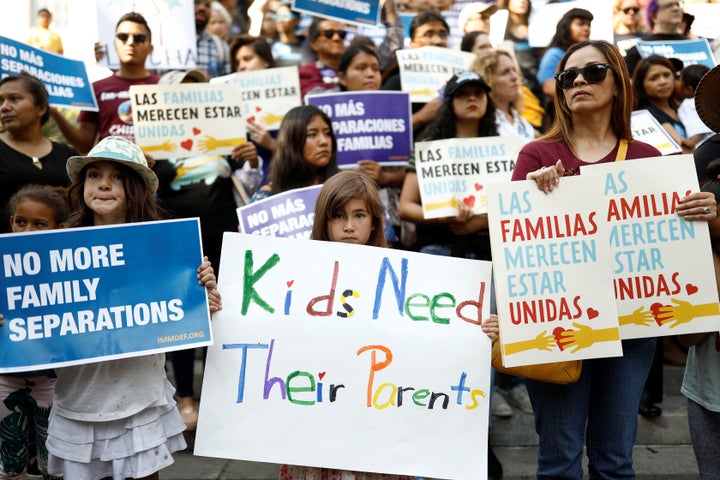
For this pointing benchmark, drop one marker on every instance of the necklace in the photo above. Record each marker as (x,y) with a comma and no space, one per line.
(36,162)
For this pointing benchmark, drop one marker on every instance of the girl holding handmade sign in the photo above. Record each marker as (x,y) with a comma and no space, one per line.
(26,397)
(593,103)
(116,419)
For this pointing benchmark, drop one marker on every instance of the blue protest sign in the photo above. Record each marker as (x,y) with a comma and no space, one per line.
(369,125)
(89,294)
(66,80)
(288,214)
(345,11)
(691,52)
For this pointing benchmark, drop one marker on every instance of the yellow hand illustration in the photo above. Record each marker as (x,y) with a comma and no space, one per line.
(683,312)
(166,146)
(208,144)
(543,341)
(270,118)
(638,317)
(585,336)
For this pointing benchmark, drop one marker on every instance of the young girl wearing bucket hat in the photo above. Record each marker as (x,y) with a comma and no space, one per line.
(116,419)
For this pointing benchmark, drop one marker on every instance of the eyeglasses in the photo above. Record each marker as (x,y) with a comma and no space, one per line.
(670,5)
(595,73)
(329,34)
(631,10)
(443,34)
(137,37)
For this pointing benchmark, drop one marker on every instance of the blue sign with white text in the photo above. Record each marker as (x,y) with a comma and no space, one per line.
(350,11)
(80,295)
(66,80)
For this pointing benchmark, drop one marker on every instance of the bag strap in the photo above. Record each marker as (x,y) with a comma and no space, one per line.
(622,150)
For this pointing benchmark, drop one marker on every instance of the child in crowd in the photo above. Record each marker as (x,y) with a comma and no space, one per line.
(685,85)
(116,419)
(28,396)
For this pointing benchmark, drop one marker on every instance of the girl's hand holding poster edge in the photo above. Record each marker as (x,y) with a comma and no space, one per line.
(664,279)
(369,126)
(545,248)
(81,295)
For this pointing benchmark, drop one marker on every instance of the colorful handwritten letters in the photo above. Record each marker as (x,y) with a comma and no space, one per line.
(552,281)
(458,170)
(348,356)
(80,295)
(187,120)
(663,272)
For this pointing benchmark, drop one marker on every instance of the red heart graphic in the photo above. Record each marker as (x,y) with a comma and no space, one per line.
(559,339)
(290,283)
(478,187)
(592,313)
(469,201)
(196,131)
(655,309)
(187,144)
(321,375)
(691,289)
(257,109)
(251,119)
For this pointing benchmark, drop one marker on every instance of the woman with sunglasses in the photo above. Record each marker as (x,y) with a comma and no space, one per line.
(628,24)
(593,103)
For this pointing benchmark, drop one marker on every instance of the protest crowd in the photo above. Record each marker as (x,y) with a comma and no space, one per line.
(567,104)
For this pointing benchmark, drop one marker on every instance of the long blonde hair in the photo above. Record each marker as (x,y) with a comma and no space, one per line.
(486,65)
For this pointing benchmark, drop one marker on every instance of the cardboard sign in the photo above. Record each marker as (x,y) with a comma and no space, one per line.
(188,119)
(647,129)
(287,214)
(369,126)
(266,94)
(551,263)
(458,170)
(424,70)
(348,356)
(83,295)
(66,80)
(662,264)
(691,52)
(360,12)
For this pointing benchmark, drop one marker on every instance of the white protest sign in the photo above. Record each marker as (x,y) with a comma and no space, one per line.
(551,262)
(545,17)
(187,119)
(647,129)
(172,24)
(662,265)
(266,94)
(348,356)
(424,70)
(457,170)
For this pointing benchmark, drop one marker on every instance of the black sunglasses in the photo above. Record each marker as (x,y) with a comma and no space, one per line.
(595,73)
(329,34)
(137,37)
(631,9)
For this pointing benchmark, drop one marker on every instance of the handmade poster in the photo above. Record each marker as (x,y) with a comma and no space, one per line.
(66,80)
(360,12)
(172,24)
(662,265)
(266,94)
(287,214)
(424,70)
(551,260)
(348,356)
(188,119)
(369,126)
(691,52)
(458,170)
(646,128)
(82,295)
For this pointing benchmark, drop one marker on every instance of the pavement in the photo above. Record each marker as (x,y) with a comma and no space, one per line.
(662,450)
